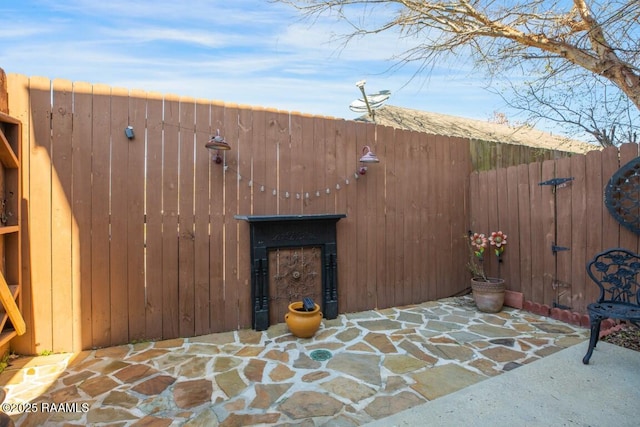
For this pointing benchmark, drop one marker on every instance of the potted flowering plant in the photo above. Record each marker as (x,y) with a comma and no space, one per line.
(488,292)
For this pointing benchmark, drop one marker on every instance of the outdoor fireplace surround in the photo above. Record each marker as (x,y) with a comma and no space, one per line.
(269,232)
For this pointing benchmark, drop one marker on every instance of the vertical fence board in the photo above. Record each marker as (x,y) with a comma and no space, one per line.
(441,217)
(428,213)
(502,201)
(361,229)
(343,169)
(512,258)
(563,199)
(475,200)
(81,212)
(549,231)
(217,241)
(202,197)
(186,236)
(100,261)
(370,184)
(579,227)
(153,214)
(245,125)
(40,212)
(396,227)
(491,193)
(382,137)
(588,292)
(628,239)
(458,216)
(271,145)
(405,242)
(330,176)
(482,217)
(461,275)
(296,175)
(284,198)
(230,305)
(135,215)
(117,216)
(476,206)
(424,259)
(258,167)
(342,227)
(610,227)
(63,298)
(306,159)
(318,165)
(347,243)
(537,237)
(170,185)
(287,196)
(524,218)
(426,187)
(444,223)
(19,104)
(386,218)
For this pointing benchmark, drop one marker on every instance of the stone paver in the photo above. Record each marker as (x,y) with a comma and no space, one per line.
(382,362)
(445,379)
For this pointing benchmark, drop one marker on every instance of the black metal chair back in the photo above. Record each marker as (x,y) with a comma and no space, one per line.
(615,271)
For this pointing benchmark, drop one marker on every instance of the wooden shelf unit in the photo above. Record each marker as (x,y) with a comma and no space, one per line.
(11,322)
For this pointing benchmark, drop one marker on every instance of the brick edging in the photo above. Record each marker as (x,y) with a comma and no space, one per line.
(568,316)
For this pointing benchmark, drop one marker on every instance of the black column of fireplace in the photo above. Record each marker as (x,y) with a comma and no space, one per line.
(286,231)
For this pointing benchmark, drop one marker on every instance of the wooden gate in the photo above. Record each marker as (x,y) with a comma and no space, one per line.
(554,215)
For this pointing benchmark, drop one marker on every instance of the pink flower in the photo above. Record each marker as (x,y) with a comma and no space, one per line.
(479,241)
(498,239)
(477,244)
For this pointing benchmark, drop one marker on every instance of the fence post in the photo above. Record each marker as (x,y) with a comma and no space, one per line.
(4,97)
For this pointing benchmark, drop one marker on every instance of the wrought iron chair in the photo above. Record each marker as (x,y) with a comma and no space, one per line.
(615,271)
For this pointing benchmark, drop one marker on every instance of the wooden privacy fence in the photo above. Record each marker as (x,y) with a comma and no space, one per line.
(136,239)
(552,230)
(488,155)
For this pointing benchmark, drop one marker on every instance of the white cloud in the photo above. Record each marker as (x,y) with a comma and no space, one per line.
(247,51)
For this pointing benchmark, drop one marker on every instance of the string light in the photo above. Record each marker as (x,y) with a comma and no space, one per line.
(288,194)
(252,183)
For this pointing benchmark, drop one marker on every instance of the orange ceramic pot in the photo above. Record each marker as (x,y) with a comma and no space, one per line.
(303,324)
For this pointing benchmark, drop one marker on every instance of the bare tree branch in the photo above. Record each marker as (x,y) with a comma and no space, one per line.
(556,38)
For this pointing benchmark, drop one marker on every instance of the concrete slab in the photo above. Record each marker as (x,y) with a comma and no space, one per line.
(555,391)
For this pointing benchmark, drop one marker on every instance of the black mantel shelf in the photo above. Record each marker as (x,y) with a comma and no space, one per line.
(278,218)
(270,232)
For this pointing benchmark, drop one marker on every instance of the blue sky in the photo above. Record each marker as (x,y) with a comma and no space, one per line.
(244,51)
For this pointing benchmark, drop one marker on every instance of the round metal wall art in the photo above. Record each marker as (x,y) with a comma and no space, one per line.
(622,195)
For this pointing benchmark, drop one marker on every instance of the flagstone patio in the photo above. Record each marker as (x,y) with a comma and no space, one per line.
(374,364)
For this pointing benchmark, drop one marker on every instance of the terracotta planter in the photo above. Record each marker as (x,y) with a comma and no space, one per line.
(303,324)
(488,294)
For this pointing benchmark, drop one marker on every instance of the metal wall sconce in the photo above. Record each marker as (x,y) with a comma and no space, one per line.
(367,157)
(128,131)
(217,143)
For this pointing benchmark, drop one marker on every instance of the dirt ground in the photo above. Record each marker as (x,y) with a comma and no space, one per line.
(627,336)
